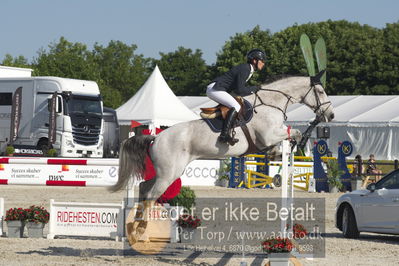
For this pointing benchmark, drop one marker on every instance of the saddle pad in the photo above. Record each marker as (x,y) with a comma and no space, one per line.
(216,124)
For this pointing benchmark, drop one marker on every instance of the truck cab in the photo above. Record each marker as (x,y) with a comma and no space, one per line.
(78,115)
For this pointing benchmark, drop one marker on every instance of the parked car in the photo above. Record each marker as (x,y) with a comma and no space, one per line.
(375,209)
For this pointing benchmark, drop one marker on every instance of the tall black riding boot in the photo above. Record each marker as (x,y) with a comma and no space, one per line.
(227,126)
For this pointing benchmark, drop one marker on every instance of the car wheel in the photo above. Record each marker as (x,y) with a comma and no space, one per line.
(349,226)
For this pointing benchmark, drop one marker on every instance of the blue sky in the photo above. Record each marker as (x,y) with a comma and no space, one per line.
(163,25)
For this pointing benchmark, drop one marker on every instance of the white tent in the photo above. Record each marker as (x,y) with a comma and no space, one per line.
(154,104)
(195,103)
(371,123)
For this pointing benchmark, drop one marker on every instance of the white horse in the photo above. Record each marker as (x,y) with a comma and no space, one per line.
(174,148)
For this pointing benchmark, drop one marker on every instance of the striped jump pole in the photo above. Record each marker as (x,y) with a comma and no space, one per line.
(24,160)
(35,171)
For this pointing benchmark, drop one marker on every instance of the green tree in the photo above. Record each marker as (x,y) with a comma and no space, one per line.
(390,60)
(361,59)
(184,70)
(121,70)
(116,69)
(235,50)
(19,61)
(66,59)
(354,53)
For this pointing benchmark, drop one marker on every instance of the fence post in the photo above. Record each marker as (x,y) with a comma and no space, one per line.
(396,164)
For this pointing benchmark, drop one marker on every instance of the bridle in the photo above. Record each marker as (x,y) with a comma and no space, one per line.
(319,104)
(291,99)
(283,110)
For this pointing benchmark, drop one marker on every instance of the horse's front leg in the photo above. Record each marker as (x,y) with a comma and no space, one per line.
(296,135)
(279,134)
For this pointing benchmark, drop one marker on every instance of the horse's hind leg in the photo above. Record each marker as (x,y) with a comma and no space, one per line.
(144,188)
(168,169)
(137,228)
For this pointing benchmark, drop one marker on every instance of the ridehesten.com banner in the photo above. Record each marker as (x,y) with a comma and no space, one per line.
(86,219)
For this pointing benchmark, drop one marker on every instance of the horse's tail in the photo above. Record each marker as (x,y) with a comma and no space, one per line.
(132,160)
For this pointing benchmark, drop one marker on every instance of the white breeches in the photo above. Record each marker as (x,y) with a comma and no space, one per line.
(222,97)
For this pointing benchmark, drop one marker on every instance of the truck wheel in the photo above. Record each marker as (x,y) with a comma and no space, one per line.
(349,226)
(43,146)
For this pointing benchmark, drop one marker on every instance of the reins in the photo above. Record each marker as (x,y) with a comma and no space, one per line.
(284,111)
(292,100)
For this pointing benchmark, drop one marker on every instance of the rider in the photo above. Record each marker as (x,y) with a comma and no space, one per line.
(234,81)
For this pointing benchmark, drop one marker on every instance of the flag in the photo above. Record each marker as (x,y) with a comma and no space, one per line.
(52,119)
(15,114)
(134,124)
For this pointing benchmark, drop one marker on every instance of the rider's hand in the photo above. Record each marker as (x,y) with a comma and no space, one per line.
(256,89)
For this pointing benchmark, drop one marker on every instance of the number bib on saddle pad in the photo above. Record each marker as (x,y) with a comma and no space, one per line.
(216,124)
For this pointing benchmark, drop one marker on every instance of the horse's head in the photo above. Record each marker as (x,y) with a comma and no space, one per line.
(317,99)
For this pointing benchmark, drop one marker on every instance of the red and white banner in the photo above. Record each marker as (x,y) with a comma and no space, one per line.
(58,172)
(88,172)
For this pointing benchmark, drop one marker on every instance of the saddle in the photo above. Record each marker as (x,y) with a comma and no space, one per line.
(221,110)
(214,117)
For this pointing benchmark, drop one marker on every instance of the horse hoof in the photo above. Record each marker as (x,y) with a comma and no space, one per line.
(132,239)
(140,230)
(135,230)
(141,227)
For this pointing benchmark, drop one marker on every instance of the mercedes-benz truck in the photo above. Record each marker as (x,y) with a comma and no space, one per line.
(78,115)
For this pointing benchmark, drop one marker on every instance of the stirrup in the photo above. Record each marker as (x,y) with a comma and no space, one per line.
(228,139)
(231,139)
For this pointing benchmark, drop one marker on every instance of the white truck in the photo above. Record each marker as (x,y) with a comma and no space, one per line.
(79,111)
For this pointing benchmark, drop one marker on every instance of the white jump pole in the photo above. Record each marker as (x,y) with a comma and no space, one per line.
(287,187)
(130,193)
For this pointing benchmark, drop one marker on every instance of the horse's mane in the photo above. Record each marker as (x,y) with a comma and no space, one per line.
(275,78)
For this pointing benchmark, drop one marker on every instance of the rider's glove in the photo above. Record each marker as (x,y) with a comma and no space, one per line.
(256,89)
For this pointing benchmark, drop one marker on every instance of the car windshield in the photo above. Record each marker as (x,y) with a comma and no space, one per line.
(391,181)
(84,105)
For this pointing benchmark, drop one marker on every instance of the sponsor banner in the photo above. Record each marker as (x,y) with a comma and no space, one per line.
(85,219)
(29,174)
(201,173)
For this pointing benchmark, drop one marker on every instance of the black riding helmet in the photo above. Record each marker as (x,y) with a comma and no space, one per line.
(257,54)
